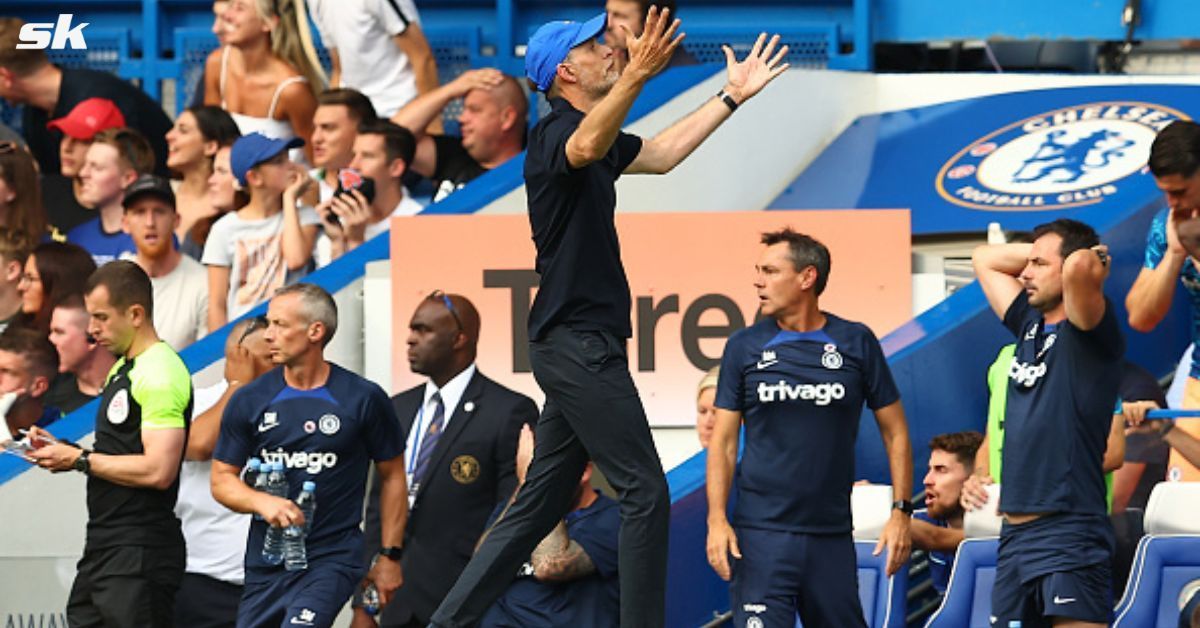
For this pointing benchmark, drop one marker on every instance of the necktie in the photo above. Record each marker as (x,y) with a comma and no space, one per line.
(429,439)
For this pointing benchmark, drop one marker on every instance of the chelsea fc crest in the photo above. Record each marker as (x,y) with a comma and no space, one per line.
(1070,157)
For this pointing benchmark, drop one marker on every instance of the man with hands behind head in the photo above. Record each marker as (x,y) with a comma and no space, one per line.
(1056,543)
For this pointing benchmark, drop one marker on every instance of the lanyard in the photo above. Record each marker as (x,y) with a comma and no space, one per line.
(420,428)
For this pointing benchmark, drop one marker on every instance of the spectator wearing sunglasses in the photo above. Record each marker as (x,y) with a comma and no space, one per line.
(116,158)
(215,535)
(48,92)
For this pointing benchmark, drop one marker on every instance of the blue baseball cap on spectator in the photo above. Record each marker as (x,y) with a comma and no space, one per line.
(250,150)
(551,43)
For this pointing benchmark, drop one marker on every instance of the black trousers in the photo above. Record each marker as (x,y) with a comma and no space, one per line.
(592,411)
(204,602)
(126,586)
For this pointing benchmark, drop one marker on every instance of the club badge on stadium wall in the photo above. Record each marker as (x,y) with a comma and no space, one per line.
(1065,158)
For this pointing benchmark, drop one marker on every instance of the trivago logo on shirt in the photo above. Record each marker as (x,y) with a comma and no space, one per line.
(821,394)
(313,461)
(1026,375)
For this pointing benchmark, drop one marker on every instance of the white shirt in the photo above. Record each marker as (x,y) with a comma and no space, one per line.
(451,394)
(361,31)
(323,253)
(181,304)
(215,536)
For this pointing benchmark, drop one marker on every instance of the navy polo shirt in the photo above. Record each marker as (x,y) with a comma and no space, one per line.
(801,397)
(1061,386)
(571,211)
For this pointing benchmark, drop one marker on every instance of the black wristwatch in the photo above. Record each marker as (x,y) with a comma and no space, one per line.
(903,505)
(81,463)
(1165,428)
(392,553)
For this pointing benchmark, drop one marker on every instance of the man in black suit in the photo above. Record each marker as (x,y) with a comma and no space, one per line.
(462,431)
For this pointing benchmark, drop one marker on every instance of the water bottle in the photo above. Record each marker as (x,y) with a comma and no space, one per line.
(1016,623)
(272,551)
(262,471)
(370,599)
(295,553)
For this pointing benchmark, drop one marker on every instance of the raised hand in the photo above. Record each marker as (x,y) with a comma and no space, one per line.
(483,78)
(747,78)
(651,52)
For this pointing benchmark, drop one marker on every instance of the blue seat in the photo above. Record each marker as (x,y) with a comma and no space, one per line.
(1162,566)
(883,598)
(968,600)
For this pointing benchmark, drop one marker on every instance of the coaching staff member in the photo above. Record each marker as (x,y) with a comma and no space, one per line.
(460,455)
(1056,543)
(133,556)
(798,379)
(580,318)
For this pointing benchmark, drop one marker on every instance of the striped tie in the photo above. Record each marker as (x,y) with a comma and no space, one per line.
(430,439)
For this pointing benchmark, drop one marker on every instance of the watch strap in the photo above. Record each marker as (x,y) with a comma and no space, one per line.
(903,505)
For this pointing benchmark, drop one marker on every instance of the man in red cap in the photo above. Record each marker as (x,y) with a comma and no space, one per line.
(79,127)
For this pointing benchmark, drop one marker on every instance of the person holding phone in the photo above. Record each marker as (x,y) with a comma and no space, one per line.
(370,192)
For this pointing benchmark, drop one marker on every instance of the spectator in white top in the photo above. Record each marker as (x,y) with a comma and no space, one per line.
(382,152)
(215,536)
(180,283)
(335,125)
(492,125)
(378,48)
(267,243)
(270,85)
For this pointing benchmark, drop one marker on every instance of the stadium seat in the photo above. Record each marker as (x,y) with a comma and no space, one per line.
(870,507)
(968,600)
(1167,558)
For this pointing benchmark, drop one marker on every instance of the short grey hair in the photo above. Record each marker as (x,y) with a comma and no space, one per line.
(316,306)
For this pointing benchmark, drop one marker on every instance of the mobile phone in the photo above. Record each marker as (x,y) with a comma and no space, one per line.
(351,179)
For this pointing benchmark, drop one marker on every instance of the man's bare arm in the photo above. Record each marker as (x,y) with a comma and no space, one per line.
(997,266)
(933,538)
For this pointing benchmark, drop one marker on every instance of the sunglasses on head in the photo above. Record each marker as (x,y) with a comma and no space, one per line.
(439,295)
(255,324)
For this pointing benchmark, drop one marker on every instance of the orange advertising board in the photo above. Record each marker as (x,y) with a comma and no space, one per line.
(691,276)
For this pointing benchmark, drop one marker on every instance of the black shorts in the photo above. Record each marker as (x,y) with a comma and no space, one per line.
(126,586)
(1056,566)
(205,602)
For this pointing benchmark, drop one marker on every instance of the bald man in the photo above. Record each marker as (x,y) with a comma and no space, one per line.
(492,124)
(462,440)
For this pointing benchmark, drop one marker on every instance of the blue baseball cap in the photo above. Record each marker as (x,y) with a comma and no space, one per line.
(551,43)
(253,149)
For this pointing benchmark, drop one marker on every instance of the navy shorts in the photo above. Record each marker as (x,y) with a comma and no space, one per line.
(298,599)
(785,573)
(1055,566)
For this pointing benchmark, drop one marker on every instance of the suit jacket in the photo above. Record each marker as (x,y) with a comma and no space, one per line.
(471,471)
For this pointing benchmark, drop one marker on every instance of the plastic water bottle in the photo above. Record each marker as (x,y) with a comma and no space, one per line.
(262,471)
(295,553)
(272,551)
(370,599)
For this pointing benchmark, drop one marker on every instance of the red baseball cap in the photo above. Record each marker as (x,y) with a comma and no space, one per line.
(88,118)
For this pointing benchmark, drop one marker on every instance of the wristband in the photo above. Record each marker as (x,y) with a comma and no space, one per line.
(728,100)
(1165,428)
